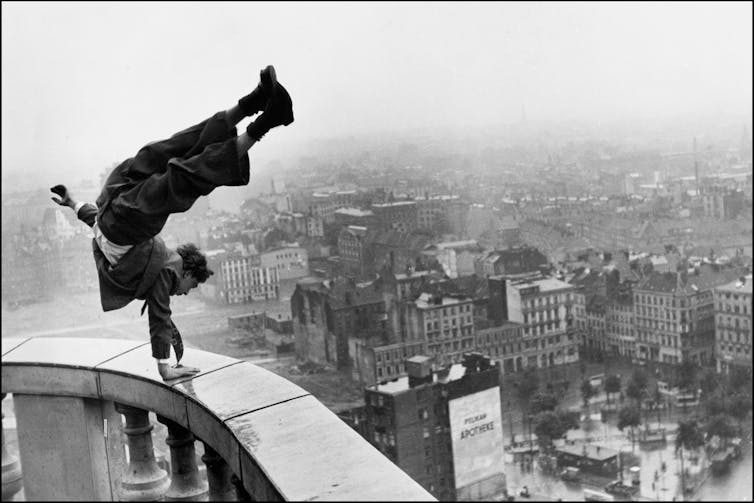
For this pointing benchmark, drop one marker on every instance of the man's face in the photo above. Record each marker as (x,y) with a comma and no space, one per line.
(186,284)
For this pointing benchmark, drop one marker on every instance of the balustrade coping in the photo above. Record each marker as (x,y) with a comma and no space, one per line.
(261,424)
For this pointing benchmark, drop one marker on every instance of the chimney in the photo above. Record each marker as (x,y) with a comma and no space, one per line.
(419,370)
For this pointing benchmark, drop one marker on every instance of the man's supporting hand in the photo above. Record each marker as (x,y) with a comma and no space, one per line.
(169,372)
(64,198)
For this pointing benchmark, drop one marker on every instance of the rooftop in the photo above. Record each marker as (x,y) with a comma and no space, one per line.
(425,301)
(400,384)
(737,286)
(393,204)
(544,284)
(354,212)
(468,243)
(672,282)
(590,451)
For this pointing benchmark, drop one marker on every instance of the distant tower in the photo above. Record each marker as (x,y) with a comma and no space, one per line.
(696,169)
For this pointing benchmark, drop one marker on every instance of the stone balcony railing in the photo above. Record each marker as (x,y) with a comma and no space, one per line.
(264,437)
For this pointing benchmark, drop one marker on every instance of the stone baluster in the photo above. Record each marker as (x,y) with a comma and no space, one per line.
(218,476)
(143,480)
(185,483)
(241,493)
(12,478)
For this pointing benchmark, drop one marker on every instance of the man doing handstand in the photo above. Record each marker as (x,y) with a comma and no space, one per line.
(167,177)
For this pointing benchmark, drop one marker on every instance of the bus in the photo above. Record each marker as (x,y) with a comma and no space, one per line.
(597,380)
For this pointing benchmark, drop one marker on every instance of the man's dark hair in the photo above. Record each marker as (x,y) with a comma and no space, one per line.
(194,262)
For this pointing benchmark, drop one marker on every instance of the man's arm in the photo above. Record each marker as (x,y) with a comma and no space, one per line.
(161,328)
(86,212)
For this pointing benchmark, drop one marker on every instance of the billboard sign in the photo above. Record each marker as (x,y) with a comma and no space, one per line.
(476,429)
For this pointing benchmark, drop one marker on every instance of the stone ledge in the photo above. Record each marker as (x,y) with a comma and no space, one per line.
(259,422)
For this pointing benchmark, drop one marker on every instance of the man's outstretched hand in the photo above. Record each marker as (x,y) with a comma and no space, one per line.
(64,198)
(169,372)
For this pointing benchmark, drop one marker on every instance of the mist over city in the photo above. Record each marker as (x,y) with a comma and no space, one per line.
(486,251)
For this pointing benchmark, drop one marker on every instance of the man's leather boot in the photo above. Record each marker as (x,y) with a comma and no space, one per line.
(256,100)
(278,112)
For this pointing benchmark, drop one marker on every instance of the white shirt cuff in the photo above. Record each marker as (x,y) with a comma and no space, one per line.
(78,206)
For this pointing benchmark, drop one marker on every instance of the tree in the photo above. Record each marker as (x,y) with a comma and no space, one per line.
(690,437)
(713,404)
(634,391)
(527,383)
(612,385)
(587,392)
(687,372)
(740,379)
(709,381)
(722,426)
(549,425)
(640,378)
(739,407)
(629,417)
(542,402)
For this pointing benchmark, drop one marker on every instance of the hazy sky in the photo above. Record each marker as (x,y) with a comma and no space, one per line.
(86,84)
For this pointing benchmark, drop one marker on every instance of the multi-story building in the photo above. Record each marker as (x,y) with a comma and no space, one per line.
(239,278)
(733,327)
(723,203)
(619,328)
(290,262)
(445,323)
(443,428)
(503,343)
(519,260)
(402,251)
(355,216)
(332,320)
(674,315)
(314,226)
(384,363)
(594,292)
(434,211)
(355,252)
(399,215)
(542,306)
(455,257)
(322,206)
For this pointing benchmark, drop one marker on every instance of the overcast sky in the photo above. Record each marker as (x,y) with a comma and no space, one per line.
(86,84)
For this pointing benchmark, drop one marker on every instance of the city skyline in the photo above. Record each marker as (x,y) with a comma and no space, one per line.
(106,79)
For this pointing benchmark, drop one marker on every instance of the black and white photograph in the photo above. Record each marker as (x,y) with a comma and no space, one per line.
(376,251)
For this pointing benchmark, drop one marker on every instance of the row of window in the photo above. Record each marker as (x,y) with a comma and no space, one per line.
(660,301)
(739,350)
(453,310)
(734,337)
(730,322)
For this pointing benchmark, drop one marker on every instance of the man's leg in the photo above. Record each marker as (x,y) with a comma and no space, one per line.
(155,191)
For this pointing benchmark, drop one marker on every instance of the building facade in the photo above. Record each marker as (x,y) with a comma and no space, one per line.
(733,327)
(443,428)
(445,323)
(240,278)
(399,216)
(675,315)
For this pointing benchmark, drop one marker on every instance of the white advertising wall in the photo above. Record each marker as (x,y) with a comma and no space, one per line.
(476,429)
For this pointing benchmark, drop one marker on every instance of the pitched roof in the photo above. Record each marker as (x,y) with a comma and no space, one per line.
(396,239)
(672,282)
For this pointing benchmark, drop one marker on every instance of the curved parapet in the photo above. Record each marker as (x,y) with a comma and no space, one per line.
(279,441)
